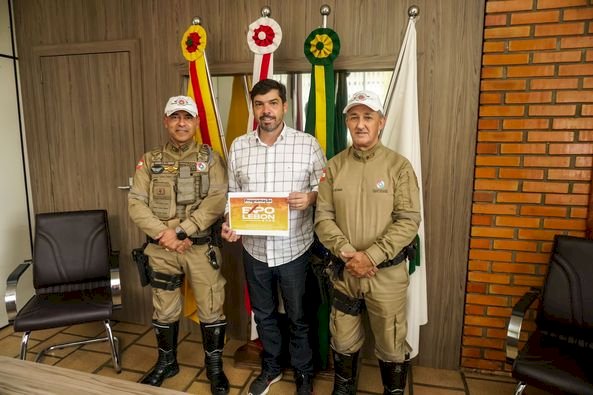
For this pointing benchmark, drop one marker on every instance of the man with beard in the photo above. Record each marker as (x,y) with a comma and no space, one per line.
(277,158)
(177,195)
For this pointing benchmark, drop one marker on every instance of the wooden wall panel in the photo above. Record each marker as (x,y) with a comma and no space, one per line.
(371,31)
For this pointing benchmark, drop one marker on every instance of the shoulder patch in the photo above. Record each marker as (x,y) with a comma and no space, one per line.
(323,177)
(140,164)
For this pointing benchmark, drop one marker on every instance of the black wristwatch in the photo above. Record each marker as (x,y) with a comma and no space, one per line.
(181,235)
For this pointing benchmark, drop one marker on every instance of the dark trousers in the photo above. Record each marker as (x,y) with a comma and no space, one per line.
(262,283)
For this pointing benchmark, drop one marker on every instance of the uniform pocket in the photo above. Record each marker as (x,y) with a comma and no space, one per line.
(162,198)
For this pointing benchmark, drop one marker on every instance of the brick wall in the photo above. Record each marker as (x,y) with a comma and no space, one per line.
(533,159)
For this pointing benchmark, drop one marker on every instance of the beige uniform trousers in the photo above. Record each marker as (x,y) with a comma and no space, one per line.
(207,283)
(385,298)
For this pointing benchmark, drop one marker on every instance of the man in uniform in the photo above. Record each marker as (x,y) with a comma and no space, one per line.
(179,192)
(368,212)
(277,158)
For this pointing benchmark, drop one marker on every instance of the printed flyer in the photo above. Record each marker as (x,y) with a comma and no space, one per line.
(259,213)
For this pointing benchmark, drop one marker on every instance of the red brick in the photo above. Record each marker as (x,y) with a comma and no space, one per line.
(532,174)
(586,135)
(499,311)
(552,110)
(503,209)
(583,161)
(557,57)
(479,266)
(559,3)
(513,245)
(510,5)
(567,199)
(503,233)
(554,83)
(500,136)
(486,148)
(578,212)
(502,111)
(532,234)
(482,341)
(574,69)
(492,72)
(587,109)
(504,59)
(532,44)
(490,98)
(580,188)
(532,123)
(546,161)
(569,174)
(494,46)
(497,289)
(545,187)
(488,124)
(518,222)
(530,257)
(573,123)
(496,333)
(489,300)
(571,149)
(506,32)
(485,172)
(472,351)
(495,355)
(503,85)
(560,29)
(496,185)
(497,160)
(483,244)
(530,71)
(523,148)
(512,197)
(589,56)
(484,220)
(481,196)
(495,20)
(520,18)
(544,211)
(567,224)
(488,255)
(534,281)
(528,97)
(546,247)
(475,310)
(588,82)
(577,14)
(575,96)
(576,42)
(550,136)
(478,288)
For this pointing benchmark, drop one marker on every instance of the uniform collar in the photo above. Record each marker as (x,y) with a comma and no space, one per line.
(365,156)
(181,149)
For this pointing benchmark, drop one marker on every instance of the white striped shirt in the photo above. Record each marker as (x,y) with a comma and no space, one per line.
(294,163)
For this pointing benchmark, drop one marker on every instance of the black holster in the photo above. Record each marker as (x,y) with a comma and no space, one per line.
(346,304)
(141,261)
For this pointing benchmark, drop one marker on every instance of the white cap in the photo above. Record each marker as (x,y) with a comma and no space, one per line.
(181,103)
(366,98)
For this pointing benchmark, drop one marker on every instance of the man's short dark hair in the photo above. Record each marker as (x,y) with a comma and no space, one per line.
(264,86)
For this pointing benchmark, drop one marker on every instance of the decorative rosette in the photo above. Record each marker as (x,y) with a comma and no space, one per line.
(193,43)
(264,36)
(322,46)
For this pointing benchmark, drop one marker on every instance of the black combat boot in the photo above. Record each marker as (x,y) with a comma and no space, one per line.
(213,341)
(166,366)
(345,371)
(394,375)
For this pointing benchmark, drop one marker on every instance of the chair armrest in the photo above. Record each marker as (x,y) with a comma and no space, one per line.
(115,283)
(11,285)
(516,321)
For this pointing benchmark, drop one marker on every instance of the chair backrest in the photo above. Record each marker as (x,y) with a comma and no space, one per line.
(567,302)
(71,249)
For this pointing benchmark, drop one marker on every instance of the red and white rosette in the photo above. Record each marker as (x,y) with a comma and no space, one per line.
(264,37)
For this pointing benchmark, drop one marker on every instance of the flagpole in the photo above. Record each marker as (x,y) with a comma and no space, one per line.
(198,21)
(413,12)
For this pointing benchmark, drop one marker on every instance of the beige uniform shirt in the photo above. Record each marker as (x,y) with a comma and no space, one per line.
(368,201)
(203,216)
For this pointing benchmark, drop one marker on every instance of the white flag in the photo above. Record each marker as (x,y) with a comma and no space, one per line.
(402,134)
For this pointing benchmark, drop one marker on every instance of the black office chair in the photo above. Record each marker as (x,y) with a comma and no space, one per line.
(558,356)
(75,277)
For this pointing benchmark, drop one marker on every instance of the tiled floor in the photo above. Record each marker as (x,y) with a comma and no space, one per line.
(139,353)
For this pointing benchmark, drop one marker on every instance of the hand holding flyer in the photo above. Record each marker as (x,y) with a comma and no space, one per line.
(259,213)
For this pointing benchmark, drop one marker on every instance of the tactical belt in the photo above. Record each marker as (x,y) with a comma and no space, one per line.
(397,259)
(195,240)
(346,304)
(168,282)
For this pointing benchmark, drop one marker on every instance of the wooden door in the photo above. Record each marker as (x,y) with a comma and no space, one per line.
(93,130)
